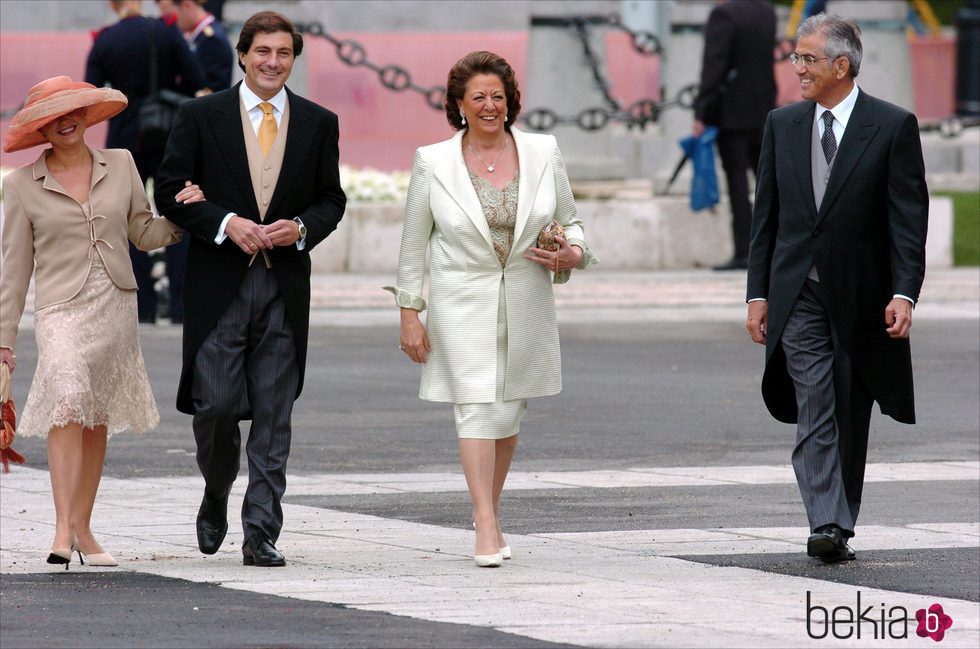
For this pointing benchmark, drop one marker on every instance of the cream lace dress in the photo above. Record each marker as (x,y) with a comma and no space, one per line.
(90,368)
(499,419)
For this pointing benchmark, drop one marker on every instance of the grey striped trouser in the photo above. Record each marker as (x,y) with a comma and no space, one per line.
(808,343)
(246,369)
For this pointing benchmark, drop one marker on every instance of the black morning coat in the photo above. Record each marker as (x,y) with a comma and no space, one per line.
(738,87)
(207,146)
(867,242)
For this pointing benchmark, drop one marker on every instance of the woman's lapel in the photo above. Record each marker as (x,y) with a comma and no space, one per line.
(454,177)
(533,165)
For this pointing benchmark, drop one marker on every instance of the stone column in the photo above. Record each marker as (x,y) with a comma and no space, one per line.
(681,65)
(560,78)
(886,70)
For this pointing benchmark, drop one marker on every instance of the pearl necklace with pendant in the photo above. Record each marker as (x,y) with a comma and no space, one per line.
(493,165)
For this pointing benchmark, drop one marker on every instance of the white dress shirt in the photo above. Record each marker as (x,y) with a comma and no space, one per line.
(841,112)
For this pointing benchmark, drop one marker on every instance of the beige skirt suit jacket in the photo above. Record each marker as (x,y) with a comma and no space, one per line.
(48,233)
(443,216)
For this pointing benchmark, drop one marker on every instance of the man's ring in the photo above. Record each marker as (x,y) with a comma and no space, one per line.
(251,245)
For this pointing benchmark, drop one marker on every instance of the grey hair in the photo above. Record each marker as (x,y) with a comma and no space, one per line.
(843,37)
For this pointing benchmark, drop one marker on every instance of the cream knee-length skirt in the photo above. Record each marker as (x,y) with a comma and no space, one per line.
(90,368)
(500,419)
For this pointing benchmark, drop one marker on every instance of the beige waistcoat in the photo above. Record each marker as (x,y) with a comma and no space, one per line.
(264,169)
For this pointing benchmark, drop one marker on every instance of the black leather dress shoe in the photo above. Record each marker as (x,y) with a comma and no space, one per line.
(259,551)
(827,544)
(735,263)
(212,524)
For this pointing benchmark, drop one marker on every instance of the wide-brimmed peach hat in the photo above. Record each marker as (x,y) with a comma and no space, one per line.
(54,97)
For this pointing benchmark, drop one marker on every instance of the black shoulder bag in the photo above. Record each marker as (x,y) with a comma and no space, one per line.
(159,109)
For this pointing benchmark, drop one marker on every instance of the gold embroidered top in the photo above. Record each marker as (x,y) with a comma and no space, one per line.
(500,209)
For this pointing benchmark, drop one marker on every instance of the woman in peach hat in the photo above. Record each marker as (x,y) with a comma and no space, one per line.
(67,218)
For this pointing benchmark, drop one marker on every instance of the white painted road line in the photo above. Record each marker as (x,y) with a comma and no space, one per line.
(607,589)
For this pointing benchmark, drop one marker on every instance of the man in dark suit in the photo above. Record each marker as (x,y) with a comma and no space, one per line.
(267,162)
(208,41)
(737,91)
(120,57)
(836,264)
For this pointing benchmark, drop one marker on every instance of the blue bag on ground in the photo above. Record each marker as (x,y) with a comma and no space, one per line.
(704,182)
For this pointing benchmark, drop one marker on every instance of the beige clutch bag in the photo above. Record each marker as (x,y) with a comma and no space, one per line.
(546,239)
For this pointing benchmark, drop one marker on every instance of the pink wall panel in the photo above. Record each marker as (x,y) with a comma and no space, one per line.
(381,128)
(633,75)
(25,59)
(933,76)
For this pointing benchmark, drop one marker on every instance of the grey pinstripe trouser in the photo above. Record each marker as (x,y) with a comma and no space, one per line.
(834,412)
(246,369)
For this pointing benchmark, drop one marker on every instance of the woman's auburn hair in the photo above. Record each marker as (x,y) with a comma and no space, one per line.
(466,68)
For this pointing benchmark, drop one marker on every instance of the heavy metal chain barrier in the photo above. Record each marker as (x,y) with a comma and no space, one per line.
(641,112)
(638,114)
(394,77)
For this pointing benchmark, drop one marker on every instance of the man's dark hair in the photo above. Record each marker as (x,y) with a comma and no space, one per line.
(267,22)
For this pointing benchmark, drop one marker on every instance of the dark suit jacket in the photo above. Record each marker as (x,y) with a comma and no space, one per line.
(120,57)
(867,242)
(207,146)
(738,87)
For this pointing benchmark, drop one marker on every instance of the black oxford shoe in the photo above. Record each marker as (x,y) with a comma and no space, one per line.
(827,544)
(259,551)
(212,524)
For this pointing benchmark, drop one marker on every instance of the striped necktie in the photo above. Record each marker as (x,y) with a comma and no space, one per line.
(828,141)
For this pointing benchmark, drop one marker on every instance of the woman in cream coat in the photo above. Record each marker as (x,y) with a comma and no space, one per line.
(477,203)
(67,219)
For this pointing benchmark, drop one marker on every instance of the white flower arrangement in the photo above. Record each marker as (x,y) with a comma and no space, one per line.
(373,186)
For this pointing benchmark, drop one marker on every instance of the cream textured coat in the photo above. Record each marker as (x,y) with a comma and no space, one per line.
(443,215)
(47,232)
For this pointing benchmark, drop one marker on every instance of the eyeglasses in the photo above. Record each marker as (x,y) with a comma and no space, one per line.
(806,59)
